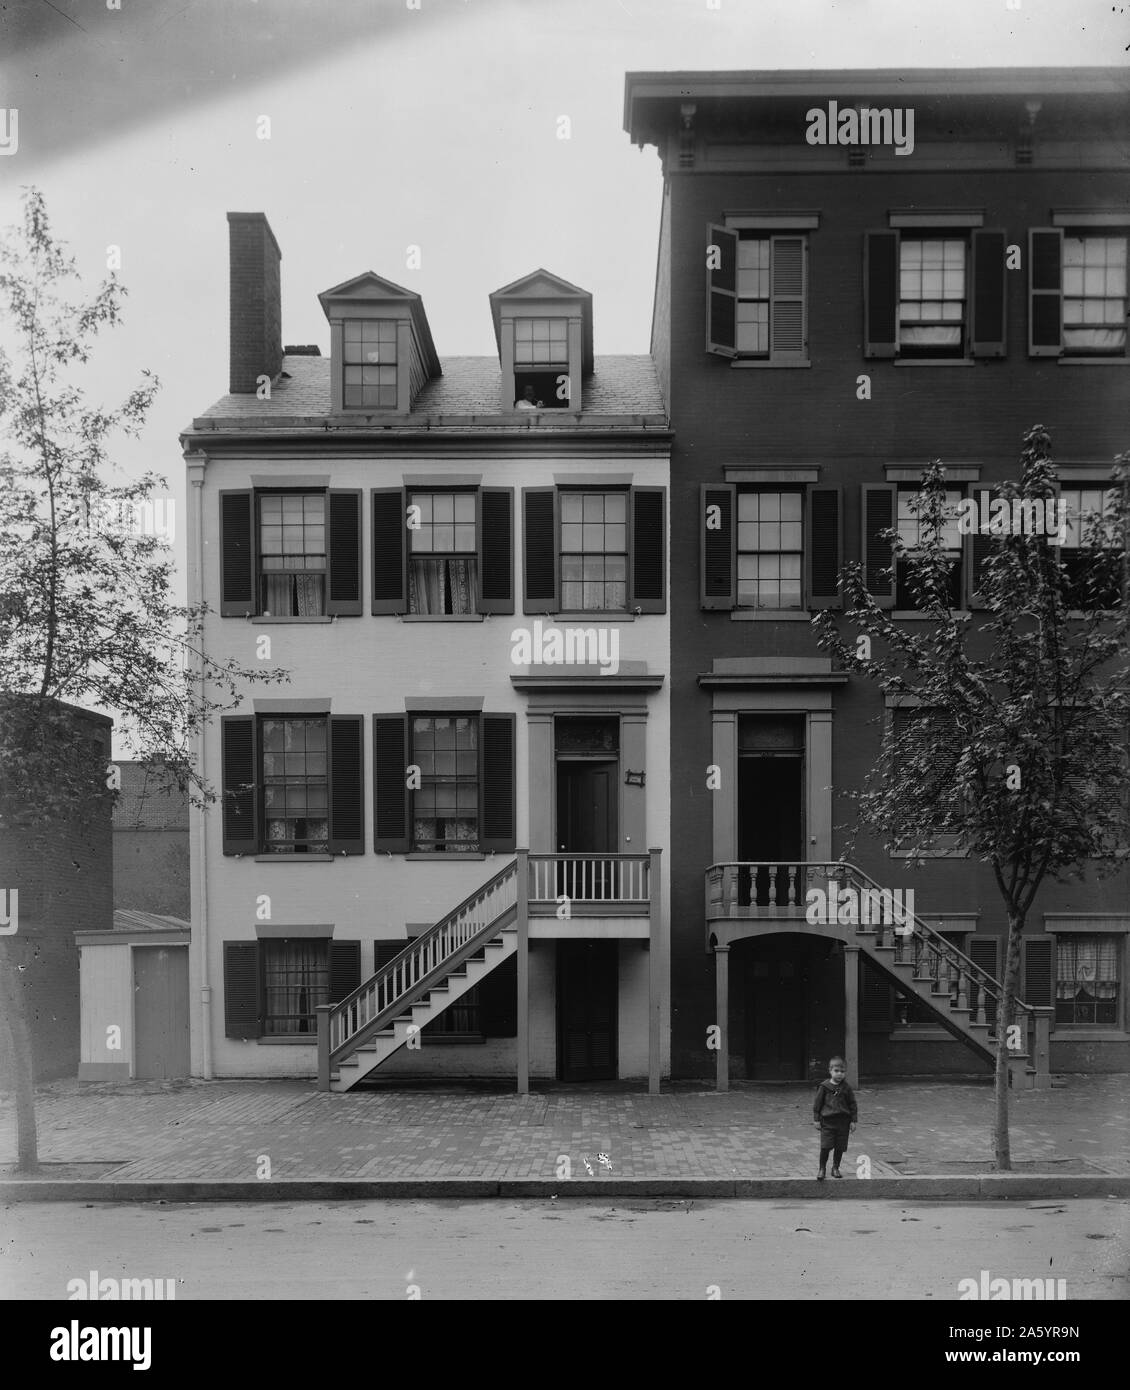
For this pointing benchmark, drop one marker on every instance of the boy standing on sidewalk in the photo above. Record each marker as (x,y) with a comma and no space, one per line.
(835,1111)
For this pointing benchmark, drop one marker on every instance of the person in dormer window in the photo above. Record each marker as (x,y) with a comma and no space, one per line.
(527,400)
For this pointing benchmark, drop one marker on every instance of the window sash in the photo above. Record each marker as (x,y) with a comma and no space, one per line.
(1094,294)
(445,807)
(594,551)
(933,293)
(296,979)
(295,784)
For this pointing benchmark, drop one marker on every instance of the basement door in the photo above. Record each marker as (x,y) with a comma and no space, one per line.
(587,985)
(776,1010)
(160,1012)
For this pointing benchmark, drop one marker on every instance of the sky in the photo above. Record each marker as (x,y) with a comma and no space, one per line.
(398,123)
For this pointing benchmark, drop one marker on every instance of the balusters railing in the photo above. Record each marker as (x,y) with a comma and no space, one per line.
(589,878)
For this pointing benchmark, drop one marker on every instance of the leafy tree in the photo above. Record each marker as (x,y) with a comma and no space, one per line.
(86,614)
(1019,754)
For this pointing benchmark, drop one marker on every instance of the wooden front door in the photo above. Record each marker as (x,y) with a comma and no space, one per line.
(160,1012)
(587,986)
(776,1011)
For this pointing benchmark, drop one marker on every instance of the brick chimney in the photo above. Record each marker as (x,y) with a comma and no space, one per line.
(256,301)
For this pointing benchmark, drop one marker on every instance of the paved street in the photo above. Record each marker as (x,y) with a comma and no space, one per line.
(223,1129)
(567,1250)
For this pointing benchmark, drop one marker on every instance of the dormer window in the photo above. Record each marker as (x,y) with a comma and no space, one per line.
(541,364)
(382,349)
(543,326)
(369,359)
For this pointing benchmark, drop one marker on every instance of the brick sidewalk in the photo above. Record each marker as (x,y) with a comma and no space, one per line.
(218,1130)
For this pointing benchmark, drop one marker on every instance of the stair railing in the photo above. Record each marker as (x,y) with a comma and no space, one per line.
(420,966)
(756,884)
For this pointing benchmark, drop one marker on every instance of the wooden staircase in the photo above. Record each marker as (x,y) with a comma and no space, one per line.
(914,958)
(431,973)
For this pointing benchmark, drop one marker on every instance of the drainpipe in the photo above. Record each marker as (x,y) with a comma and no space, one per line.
(196,477)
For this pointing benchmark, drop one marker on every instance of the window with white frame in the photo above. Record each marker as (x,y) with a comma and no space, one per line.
(770,549)
(594,552)
(911,526)
(292,554)
(1094,294)
(1087,978)
(442,560)
(445,807)
(369,349)
(932,296)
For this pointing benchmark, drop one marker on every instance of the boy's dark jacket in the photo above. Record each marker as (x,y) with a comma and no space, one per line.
(834,1100)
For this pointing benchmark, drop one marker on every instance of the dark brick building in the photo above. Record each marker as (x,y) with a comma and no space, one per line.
(64,877)
(830,317)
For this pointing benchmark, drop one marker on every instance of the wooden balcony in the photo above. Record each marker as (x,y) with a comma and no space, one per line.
(592,885)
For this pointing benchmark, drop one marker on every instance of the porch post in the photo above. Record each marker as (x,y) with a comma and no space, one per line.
(523,972)
(323,1011)
(654,973)
(851,1012)
(1041,1046)
(722,1015)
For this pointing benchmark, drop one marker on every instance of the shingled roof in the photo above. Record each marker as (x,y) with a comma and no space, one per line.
(619,385)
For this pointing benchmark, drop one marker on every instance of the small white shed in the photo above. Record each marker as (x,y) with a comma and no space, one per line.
(133,986)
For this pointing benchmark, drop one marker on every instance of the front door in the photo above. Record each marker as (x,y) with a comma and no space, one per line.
(160,1012)
(587,986)
(586,828)
(771,829)
(776,1010)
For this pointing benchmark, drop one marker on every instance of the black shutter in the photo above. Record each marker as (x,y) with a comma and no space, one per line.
(788,337)
(878,514)
(496,784)
(241,989)
(237,754)
(347,784)
(876,1000)
(880,294)
(718,529)
(983,951)
(1039,986)
(648,544)
(390,782)
(979,544)
(496,550)
(237,559)
(390,521)
(345,969)
(722,292)
(384,952)
(989,275)
(1045,292)
(498,1001)
(539,540)
(824,546)
(343,560)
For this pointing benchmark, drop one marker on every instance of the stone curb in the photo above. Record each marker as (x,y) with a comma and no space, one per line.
(988,1187)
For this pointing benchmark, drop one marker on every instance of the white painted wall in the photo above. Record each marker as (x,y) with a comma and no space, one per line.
(368,665)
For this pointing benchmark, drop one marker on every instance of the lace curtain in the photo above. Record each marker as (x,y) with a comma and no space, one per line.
(295,595)
(457,836)
(1087,965)
(442,586)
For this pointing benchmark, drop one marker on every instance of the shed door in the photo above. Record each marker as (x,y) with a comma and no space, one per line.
(160,1012)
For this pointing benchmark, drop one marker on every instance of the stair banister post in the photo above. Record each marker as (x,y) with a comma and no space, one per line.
(323,1011)
(523,923)
(1040,1054)
(654,972)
